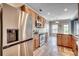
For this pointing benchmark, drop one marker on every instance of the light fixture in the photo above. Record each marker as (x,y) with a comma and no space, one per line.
(65,9)
(48,13)
(40,10)
(51,19)
(57,22)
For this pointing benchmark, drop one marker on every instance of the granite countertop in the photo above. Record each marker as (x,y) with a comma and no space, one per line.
(76,36)
(41,33)
(65,33)
(77,42)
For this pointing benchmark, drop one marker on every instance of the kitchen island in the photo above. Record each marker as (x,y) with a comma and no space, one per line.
(69,41)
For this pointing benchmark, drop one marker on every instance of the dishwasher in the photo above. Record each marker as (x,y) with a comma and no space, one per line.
(42,39)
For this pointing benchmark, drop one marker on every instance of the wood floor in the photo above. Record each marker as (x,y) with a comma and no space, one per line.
(78,47)
(51,49)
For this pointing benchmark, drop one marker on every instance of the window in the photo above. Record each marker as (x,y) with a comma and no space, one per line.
(77,28)
(47,27)
(66,31)
(54,28)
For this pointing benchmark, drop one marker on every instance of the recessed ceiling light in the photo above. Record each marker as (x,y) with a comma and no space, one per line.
(57,22)
(51,19)
(65,9)
(40,10)
(48,13)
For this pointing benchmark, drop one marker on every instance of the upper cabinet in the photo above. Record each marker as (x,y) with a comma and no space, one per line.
(26,9)
(39,22)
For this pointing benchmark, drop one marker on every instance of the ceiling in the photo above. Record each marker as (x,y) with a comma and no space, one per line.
(56,11)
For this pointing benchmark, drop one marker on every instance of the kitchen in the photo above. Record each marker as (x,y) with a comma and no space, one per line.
(28,29)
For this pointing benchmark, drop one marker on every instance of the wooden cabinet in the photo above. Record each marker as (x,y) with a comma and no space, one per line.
(39,22)
(36,41)
(64,40)
(59,38)
(68,41)
(74,46)
(64,43)
(43,22)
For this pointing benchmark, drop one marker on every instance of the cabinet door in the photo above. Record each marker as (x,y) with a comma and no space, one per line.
(70,41)
(64,40)
(34,44)
(37,43)
(43,22)
(59,38)
(74,46)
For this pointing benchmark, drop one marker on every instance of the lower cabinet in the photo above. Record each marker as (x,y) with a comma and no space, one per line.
(64,40)
(74,46)
(59,38)
(70,41)
(23,49)
(36,41)
(67,41)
